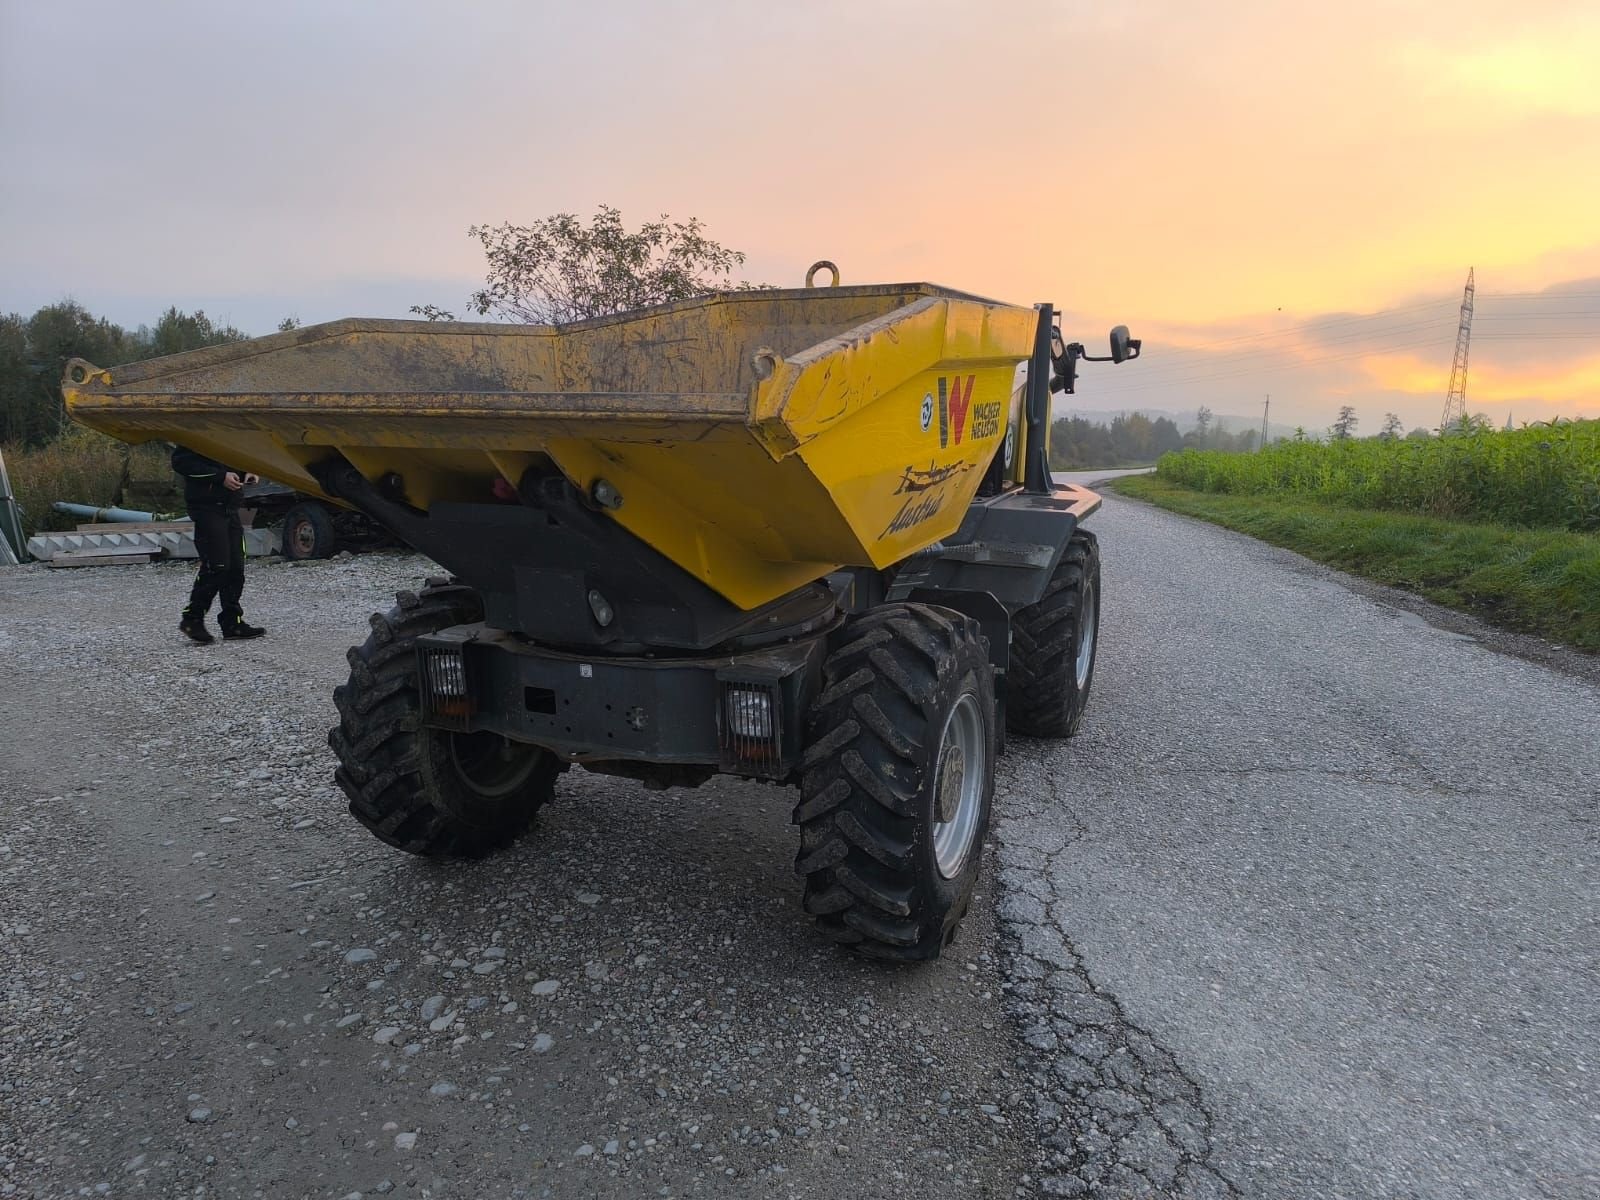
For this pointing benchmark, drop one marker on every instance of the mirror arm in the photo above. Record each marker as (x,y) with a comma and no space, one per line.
(1066,365)
(1066,360)
(1133,352)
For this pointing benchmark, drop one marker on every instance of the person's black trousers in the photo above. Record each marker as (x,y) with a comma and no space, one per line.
(219,541)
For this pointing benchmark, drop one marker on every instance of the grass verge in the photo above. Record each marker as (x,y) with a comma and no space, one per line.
(1540,581)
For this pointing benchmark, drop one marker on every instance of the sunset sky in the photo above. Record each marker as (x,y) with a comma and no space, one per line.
(1279,198)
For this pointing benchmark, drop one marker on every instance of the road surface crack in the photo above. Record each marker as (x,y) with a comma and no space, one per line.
(1117,1115)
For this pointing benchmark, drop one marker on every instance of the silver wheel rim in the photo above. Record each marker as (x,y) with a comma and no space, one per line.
(958,788)
(1086,633)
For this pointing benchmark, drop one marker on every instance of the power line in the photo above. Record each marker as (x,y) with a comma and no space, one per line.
(1238,372)
(1323,323)
(1349,347)
(1539,295)
(1569,336)
(1317,323)
(1113,390)
(1253,360)
(1540,316)
(1348,341)
(1340,356)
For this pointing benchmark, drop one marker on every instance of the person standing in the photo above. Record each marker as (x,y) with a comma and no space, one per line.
(211,492)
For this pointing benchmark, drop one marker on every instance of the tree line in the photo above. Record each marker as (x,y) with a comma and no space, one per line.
(35,350)
(1135,440)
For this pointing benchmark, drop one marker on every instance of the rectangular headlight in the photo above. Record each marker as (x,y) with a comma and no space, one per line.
(447,673)
(750,712)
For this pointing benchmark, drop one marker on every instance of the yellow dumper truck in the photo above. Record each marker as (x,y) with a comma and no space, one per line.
(806,536)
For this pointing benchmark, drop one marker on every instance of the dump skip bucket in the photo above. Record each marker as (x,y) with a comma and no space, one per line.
(758,439)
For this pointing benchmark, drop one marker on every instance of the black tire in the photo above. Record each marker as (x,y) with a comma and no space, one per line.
(307,532)
(877,757)
(1046,691)
(428,791)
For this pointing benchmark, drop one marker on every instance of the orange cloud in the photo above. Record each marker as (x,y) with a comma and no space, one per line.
(1575,382)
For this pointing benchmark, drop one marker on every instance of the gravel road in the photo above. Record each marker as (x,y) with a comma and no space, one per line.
(1309,909)
(216,983)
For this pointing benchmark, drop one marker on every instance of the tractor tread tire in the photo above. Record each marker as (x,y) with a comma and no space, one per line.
(865,808)
(379,739)
(1043,699)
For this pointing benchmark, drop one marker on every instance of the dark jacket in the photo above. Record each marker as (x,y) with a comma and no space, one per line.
(202,479)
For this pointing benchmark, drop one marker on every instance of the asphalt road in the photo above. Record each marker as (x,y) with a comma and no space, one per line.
(1331,874)
(1308,909)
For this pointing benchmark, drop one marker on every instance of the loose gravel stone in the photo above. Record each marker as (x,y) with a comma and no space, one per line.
(710,965)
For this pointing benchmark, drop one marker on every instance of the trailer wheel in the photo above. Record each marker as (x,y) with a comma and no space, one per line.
(308,532)
(898,778)
(428,791)
(1053,645)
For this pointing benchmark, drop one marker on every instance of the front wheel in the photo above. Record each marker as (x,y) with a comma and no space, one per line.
(1053,647)
(897,783)
(428,791)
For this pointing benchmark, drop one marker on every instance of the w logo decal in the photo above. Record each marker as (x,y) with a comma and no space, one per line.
(955,398)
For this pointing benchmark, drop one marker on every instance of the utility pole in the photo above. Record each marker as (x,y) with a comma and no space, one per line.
(1455,399)
(1264,408)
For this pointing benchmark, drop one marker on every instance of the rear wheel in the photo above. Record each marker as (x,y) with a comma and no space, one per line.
(1053,647)
(428,791)
(898,781)
(308,532)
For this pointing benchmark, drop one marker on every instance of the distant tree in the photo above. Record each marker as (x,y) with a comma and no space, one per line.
(289,324)
(1392,425)
(1419,434)
(1165,436)
(1132,439)
(17,390)
(33,409)
(35,350)
(559,270)
(1202,425)
(1345,425)
(178,331)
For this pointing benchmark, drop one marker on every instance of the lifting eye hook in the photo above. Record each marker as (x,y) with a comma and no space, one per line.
(822,265)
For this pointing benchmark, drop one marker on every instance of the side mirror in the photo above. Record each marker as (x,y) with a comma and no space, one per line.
(1122,346)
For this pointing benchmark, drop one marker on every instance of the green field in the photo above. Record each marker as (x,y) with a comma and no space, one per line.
(1536,478)
(1540,581)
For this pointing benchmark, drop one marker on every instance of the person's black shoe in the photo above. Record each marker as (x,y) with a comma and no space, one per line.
(240,630)
(194,628)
